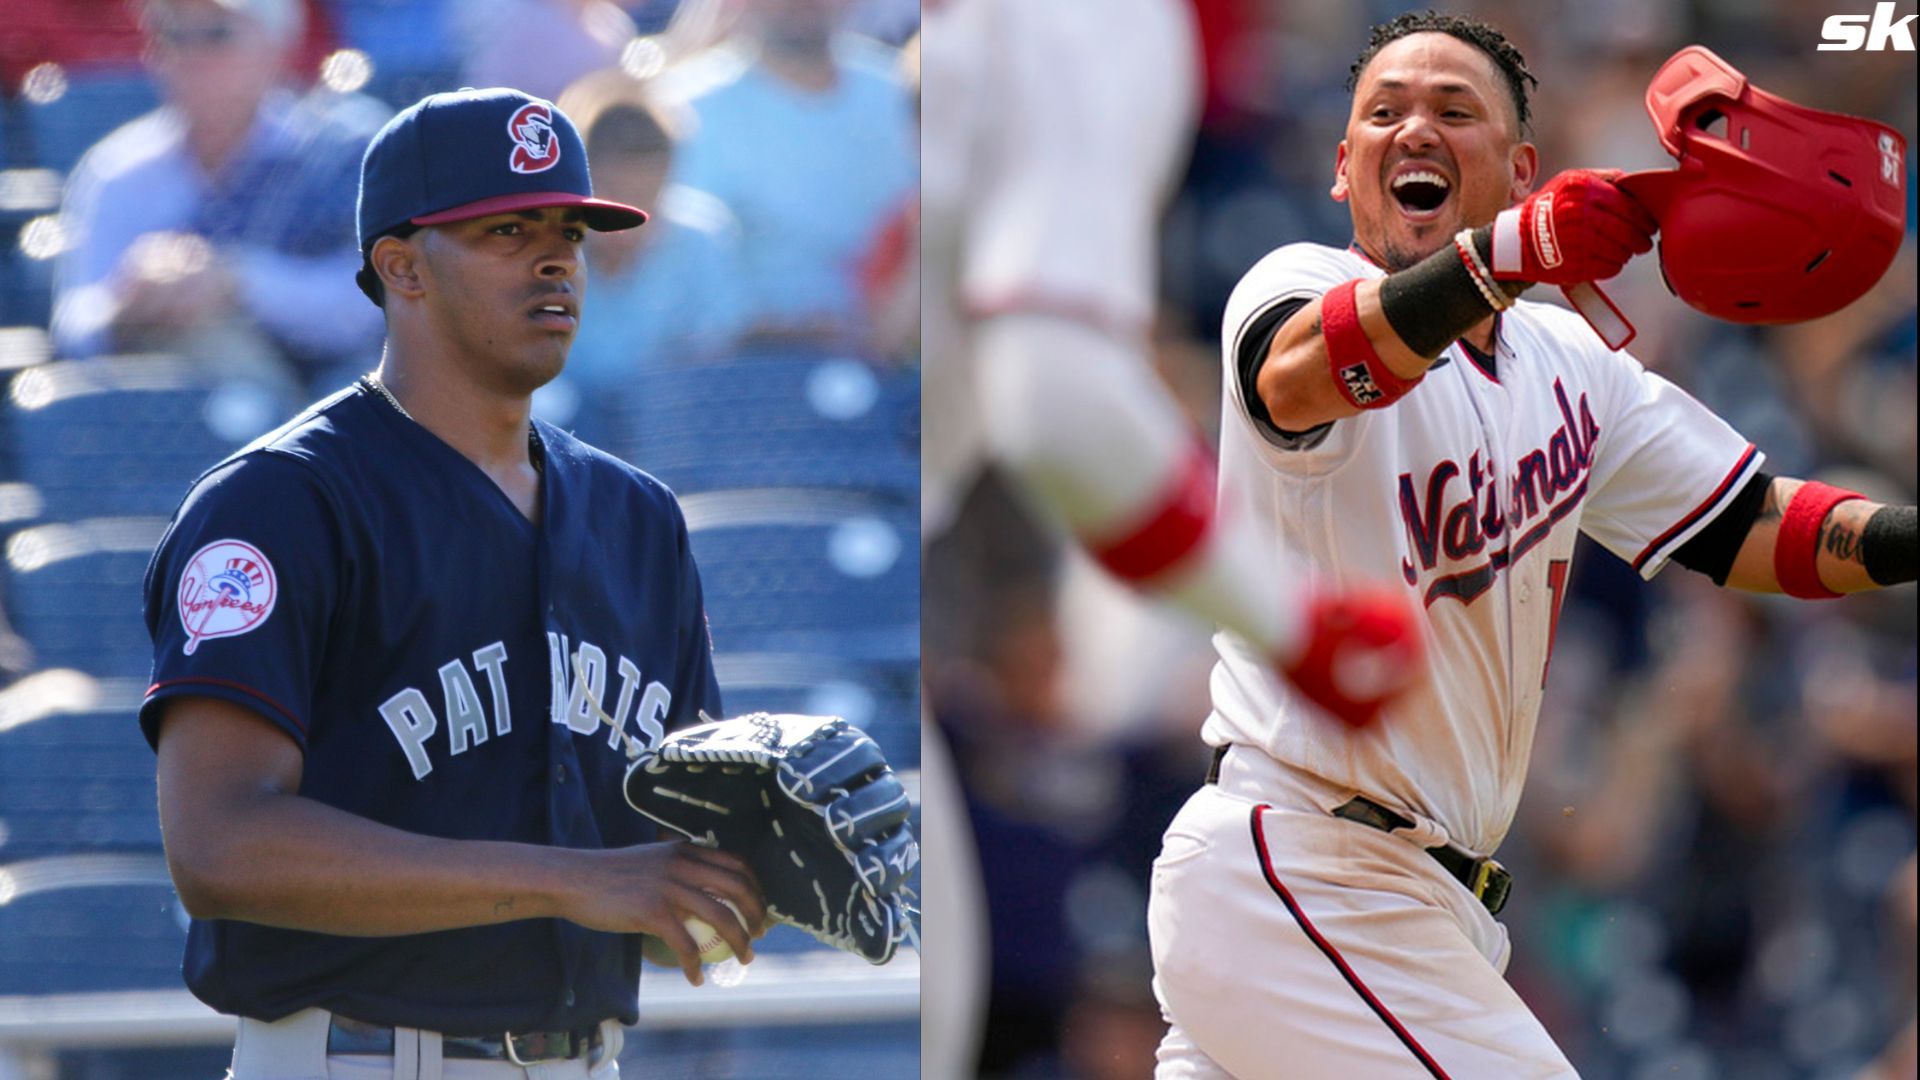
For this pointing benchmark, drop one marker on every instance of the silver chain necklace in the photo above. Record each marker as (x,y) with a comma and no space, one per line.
(536,452)
(373,380)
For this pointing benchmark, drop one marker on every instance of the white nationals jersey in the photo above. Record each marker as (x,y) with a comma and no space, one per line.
(1469,491)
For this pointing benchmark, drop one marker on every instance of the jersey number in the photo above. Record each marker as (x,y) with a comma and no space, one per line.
(1557,584)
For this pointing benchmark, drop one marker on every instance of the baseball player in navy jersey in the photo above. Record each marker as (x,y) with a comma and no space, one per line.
(402,644)
(1324,906)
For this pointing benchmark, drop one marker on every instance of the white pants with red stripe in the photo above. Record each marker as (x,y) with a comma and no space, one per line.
(1292,944)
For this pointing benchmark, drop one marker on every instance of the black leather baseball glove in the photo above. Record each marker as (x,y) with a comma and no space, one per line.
(810,803)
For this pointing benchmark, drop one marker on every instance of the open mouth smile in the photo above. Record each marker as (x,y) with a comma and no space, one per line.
(1420,191)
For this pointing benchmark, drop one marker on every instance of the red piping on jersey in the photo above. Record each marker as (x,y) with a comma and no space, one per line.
(1174,529)
(1686,523)
(1339,962)
(231,685)
(1473,355)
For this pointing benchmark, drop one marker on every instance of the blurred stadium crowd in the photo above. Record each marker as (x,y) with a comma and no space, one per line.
(177,189)
(1714,860)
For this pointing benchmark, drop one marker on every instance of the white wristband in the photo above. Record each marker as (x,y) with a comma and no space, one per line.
(1506,242)
(1470,255)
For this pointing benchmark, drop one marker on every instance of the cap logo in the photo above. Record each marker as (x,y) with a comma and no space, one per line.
(535,147)
(227,588)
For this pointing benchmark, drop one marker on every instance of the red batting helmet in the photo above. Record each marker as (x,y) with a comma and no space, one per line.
(1777,213)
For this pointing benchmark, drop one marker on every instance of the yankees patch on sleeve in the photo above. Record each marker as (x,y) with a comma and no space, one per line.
(228,588)
(240,591)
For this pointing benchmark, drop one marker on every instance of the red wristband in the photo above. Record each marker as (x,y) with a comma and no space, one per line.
(1358,372)
(1175,527)
(1796,549)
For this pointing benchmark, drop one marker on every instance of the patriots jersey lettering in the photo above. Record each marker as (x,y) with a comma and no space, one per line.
(576,703)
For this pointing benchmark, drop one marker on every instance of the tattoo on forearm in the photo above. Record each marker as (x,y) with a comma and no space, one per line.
(1316,326)
(1770,509)
(1841,542)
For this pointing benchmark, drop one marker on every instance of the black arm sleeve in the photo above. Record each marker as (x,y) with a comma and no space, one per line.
(1890,545)
(1431,303)
(1712,549)
(1253,355)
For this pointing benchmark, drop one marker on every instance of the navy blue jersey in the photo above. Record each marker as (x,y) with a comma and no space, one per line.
(443,662)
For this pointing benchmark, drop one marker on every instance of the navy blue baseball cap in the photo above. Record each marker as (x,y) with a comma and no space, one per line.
(469,153)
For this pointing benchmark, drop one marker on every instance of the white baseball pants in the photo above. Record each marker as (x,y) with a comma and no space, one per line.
(1291,944)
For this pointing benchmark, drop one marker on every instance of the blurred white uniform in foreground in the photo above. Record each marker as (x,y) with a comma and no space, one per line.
(1054,133)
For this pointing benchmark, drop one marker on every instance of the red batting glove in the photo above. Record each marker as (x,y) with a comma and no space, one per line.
(1580,227)
(1362,649)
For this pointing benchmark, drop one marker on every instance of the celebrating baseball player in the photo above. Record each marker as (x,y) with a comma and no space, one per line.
(1325,906)
(406,646)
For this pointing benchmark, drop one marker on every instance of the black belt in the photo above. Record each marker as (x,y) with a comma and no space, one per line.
(346,1036)
(1485,878)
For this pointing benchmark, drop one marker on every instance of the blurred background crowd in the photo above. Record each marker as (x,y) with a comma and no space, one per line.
(177,251)
(1714,859)
(190,169)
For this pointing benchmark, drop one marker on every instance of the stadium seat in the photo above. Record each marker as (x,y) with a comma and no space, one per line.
(125,436)
(882,699)
(408,42)
(74,592)
(772,422)
(16,307)
(862,1050)
(26,285)
(401,87)
(143,1063)
(76,782)
(94,104)
(808,571)
(91,923)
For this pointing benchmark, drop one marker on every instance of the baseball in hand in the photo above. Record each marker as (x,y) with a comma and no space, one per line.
(713,948)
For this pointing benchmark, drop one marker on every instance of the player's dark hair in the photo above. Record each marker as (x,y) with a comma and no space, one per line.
(1472,31)
(369,281)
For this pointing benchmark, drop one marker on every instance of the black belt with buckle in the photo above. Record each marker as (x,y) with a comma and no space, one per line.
(346,1036)
(1486,879)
